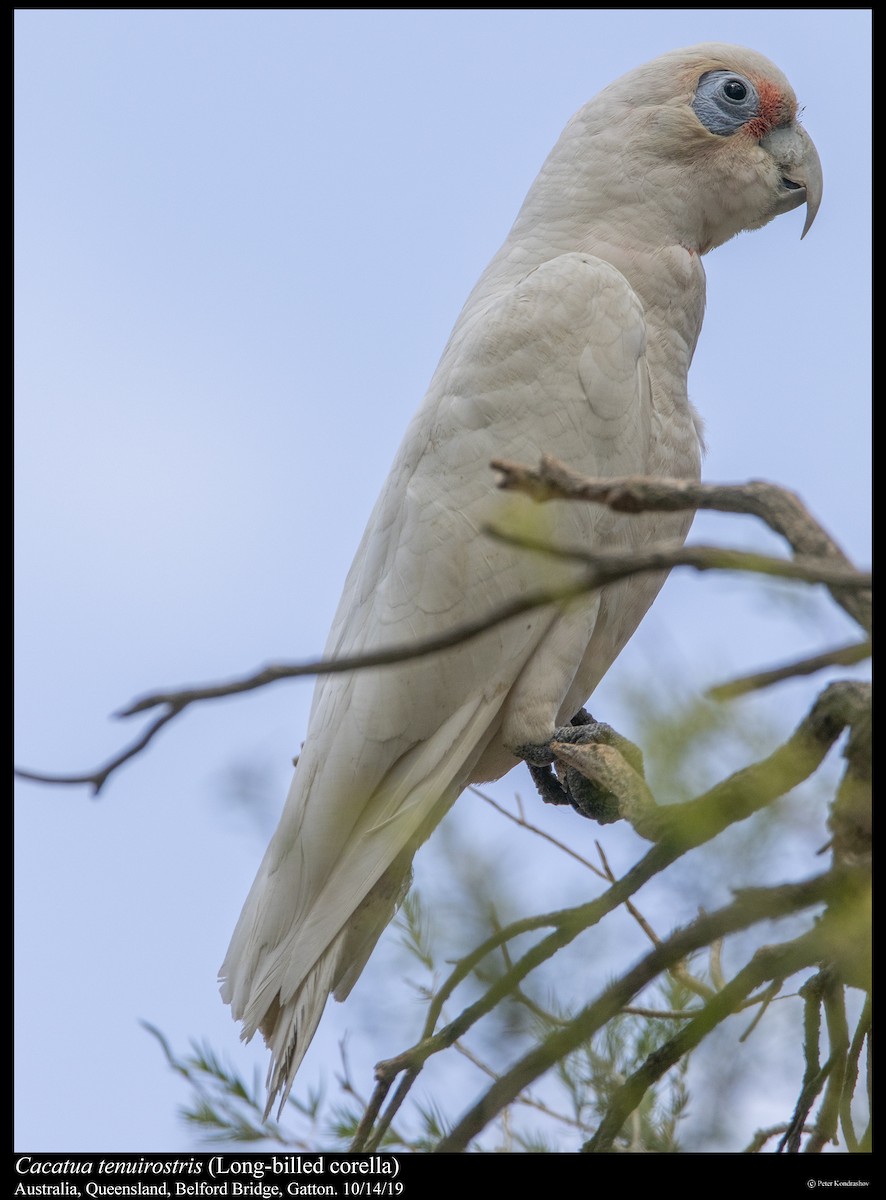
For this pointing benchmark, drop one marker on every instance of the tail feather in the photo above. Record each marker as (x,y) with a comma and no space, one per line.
(289,1029)
(294,946)
(369,923)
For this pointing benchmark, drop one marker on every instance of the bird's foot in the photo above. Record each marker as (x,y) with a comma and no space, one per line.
(589,766)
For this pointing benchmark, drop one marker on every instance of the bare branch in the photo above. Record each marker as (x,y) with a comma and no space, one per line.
(862,1033)
(659,1014)
(762,1136)
(841,704)
(780,509)
(826,1123)
(611,565)
(99,777)
(176,701)
(364,1129)
(678,971)
(568,924)
(767,963)
(749,907)
(524,824)
(814,1074)
(527,1101)
(840,656)
(368,1139)
(764,1001)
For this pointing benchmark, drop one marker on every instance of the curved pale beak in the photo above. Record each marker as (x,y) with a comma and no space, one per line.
(794,152)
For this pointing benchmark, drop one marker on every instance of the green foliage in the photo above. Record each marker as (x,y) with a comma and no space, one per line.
(222,1106)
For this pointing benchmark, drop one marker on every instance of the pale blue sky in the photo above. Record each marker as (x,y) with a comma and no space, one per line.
(242,239)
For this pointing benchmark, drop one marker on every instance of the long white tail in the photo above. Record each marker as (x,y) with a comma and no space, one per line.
(331,880)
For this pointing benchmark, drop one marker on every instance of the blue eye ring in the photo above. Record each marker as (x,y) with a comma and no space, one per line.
(725,101)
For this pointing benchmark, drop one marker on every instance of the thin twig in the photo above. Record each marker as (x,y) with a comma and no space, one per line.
(176,701)
(827,1121)
(528,1101)
(764,1001)
(841,656)
(766,962)
(373,1141)
(520,820)
(814,1074)
(780,509)
(762,1136)
(749,907)
(715,967)
(606,567)
(679,971)
(364,1129)
(98,778)
(862,1032)
(660,1014)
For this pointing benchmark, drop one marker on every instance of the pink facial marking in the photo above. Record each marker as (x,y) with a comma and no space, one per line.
(775,109)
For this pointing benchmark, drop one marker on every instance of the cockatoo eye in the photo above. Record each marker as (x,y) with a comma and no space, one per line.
(724,101)
(735,90)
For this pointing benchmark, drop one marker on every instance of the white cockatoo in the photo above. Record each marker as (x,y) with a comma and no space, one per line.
(576,342)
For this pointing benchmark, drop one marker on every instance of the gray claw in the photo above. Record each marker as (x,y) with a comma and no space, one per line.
(558,783)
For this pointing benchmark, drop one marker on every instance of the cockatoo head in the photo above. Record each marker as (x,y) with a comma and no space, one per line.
(692,147)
